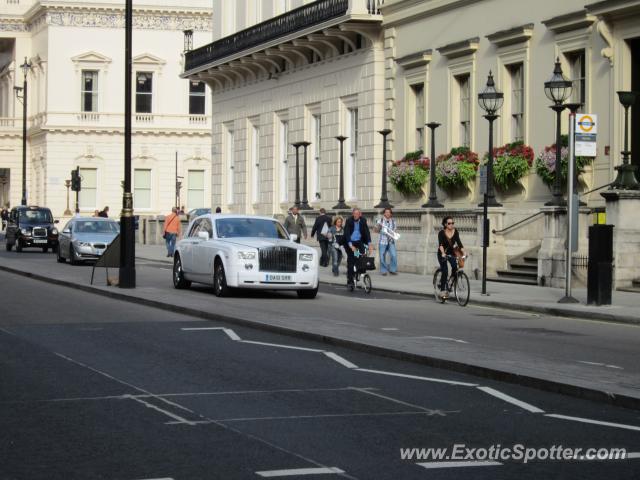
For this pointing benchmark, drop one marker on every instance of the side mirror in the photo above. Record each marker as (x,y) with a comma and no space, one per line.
(293,237)
(203,235)
(66,231)
(56,221)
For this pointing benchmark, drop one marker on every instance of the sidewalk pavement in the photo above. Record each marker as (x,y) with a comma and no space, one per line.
(624,306)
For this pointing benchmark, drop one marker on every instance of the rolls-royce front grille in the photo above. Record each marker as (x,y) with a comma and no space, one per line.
(278,259)
(39,232)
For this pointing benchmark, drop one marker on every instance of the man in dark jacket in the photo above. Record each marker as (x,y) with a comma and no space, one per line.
(320,231)
(357,238)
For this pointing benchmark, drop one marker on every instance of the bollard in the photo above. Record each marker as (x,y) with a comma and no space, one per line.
(600,267)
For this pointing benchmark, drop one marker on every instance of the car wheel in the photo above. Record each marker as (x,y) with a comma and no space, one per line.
(59,257)
(18,246)
(8,246)
(72,256)
(179,281)
(308,294)
(220,287)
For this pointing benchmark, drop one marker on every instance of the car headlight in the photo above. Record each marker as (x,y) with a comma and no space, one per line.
(25,231)
(54,231)
(83,244)
(246,255)
(306,257)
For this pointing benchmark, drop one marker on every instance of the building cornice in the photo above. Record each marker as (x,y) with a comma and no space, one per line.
(570,22)
(398,12)
(512,36)
(459,49)
(614,9)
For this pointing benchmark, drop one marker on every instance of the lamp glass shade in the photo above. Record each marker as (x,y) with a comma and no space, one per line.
(26,66)
(490,99)
(558,88)
(627,98)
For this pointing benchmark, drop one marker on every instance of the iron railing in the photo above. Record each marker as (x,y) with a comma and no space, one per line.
(278,259)
(280,26)
(373,6)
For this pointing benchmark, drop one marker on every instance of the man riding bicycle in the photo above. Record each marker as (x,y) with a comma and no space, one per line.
(357,238)
(448,242)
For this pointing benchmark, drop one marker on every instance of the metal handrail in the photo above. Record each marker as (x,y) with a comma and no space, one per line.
(500,232)
(596,189)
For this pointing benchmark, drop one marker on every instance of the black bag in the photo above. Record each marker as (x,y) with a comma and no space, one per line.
(365,264)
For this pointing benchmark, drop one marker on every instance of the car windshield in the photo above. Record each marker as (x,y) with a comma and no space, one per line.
(249,227)
(95,227)
(35,216)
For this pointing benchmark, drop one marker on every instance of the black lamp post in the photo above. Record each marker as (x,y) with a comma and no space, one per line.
(384,199)
(26,66)
(490,100)
(626,179)
(127,227)
(341,205)
(557,89)
(305,200)
(433,195)
(297,146)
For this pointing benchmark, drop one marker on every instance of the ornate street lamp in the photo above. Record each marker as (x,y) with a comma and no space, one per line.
(26,66)
(305,200)
(558,90)
(384,199)
(297,146)
(341,205)
(490,100)
(433,195)
(626,179)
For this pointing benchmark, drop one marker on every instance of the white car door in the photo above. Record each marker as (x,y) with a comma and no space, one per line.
(203,252)
(186,248)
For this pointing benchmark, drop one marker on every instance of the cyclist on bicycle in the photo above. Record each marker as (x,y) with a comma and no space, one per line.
(357,238)
(448,241)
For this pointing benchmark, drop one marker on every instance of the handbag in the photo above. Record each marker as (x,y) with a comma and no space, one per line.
(458,253)
(365,264)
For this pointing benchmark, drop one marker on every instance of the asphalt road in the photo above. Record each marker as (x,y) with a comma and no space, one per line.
(96,388)
(589,354)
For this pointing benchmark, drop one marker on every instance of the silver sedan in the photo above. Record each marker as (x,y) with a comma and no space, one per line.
(86,238)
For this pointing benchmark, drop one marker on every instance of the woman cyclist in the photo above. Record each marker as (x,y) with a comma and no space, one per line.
(448,240)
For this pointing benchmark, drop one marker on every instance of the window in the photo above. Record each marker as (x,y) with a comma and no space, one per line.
(144,92)
(195,189)
(284,165)
(352,147)
(418,94)
(89,100)
(464,88)
(516,72)
(255,163)
(231,153)
(196,98)
(87,197)
(316,128)
(577,73)
(142,188)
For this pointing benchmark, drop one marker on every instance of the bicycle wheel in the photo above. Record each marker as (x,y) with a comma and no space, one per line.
(462,289)
(437,277)
(366,279)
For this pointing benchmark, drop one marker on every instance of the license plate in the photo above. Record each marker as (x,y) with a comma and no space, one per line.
(99,252)
(39,240)
(275,277)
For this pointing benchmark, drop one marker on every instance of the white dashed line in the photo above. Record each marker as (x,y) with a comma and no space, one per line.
(177,418)
(446,339)
(342,361)
(598,364)
(230,333)
(509,399)
(291,347)
(432,465)
(631,455)
(594,422)
(389,329)
(415,377)
(292,472)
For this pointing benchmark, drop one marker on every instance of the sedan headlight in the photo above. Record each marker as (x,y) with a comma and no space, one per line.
(246,255)
(83,244)
(306,257)
(25,231)
(54,231)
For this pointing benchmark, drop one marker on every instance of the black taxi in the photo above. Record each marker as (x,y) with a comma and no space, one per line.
(31,227)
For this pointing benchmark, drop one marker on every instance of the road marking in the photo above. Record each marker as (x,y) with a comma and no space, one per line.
(598,364)
(631,455)
(510,399)
(342,361)
(594,422)
(446,339)
(430,465)
(292,472)
(389,329)
(230,333)
(177,418)
(426,410)
(282,346)
(415,377)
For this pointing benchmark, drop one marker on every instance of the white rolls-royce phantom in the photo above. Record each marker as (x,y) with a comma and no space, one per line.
(242,251)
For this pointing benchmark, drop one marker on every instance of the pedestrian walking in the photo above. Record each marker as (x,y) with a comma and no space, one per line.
(448,242)
(387,243)
(218,210)
(171,231)
(320,230)
(4,215)
(104,213)
(336,237)
(294,224)
(358,238)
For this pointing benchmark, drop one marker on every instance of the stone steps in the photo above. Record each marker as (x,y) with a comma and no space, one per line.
(522,270)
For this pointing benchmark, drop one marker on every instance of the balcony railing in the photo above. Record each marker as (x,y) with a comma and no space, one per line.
(10,122)
(114,120)
(280,26)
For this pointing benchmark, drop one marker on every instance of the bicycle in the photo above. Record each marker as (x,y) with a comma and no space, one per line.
(358,270)
(458,283)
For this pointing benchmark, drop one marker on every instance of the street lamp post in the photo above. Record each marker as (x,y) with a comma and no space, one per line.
(433,195)
(490,101)
(127,227)
(341,205)
(305,200)
(67,212)
(557,89)
(297,146)
(384,198)
(26,66)
(626,179)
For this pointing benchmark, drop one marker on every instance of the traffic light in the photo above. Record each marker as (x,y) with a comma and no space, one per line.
(76,181)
